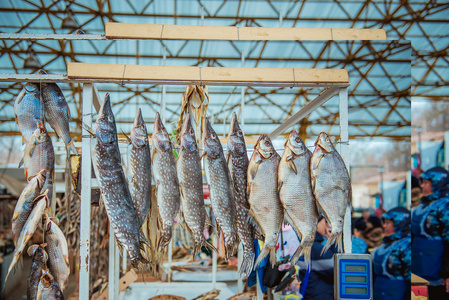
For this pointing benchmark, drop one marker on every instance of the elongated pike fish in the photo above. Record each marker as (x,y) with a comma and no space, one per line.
(25,203)
(39,155)
(296,194)
(48,289)
(29,228)
(114,189)
(38,264)
(191,186)
(139,168)
(331,186)
(266,211)
(58,253)
(57,112)
(221,189)
(166,181)
(28,110)
(238,167)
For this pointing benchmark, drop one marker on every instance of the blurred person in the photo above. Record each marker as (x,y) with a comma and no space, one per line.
(430,233)
(379,211)
(358,244)
(372,235)
(416,192)
(392,259)
(320,283)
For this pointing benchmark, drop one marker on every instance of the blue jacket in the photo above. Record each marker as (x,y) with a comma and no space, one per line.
(430,230)
(321,280)
(392,259)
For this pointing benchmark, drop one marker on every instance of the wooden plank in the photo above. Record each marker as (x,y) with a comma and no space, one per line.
(416,280)
(124,282)
(283,33)
(233,33)
(344,34)
(207,75)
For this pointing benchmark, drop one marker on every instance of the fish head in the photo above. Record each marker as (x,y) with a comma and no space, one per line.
(46,279)
(264,146)
(139,136)
(195,97)
(324,142)
(41,72)
(236,139)
(211,141)
(188,140)
(106,130)
(161,140)
(295,143)
(41,133)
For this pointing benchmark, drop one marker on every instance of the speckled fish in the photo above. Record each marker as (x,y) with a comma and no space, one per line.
(139,168)
(114,189)
(29,228)
(238,167)
(39,155)
(221,189)
(25,203)
(58,253)
(296,195)
(266,211)
(39,263)
(28,110)
(165,180)
(57,112)
(331,186)
(191,186)
(48,289)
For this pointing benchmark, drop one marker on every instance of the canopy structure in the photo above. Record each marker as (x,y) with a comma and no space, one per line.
(381,73)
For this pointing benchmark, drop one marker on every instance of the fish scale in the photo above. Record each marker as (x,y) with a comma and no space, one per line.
(296,194)
(266,209)
(166,181)
(238,167)
(221,190)
(114,190)
(28,110)
(191,186)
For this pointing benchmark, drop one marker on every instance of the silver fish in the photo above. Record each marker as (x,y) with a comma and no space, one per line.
(139,168)
(28,110)
(191,186)
(266,211)
(331,187)
(58,253)
(221,189)
(295,193)
(238,167)
(48,289)
(38,155)
(25,203)
(57,112)
(38,264)
(114,189)
(29,228)
(166,180)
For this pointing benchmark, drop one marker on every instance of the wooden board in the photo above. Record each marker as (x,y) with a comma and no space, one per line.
(233,33)
(206,75)
(417,280)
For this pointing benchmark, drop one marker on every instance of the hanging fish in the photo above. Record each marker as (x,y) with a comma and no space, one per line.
(266,212)
(331,186)
(221,189)
(39,263)
(166,181)
(191,186)
(238,167)
(296,195)
(28,110)
(48,289)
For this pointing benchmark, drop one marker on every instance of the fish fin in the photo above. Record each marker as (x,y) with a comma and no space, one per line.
(89,129)
(248,190)
(71,148)
(21,164)
(296,255)
(280,184)
(266,251)
(316,160)
(32,249)
(253,169)
(253,221)
(126,136)
(336,239)
(207,221)
(247,262)
(180,191)
(313,182)
(120,247)
(29,149)
(291,164)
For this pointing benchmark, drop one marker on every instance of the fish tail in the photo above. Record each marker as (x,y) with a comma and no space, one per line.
(71,148)
(307,252)
(247,262)
(200,241)
(265,251)
(11,267)
(165,238)
(229,244)
(297,254)
(334,238)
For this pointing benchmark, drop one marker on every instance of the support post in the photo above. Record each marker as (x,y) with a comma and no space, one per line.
(344,150)
(86,174)
(164,88)
(242,103)
(446,150)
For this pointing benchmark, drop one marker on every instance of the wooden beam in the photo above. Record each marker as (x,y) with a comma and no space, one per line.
(207,75)
(234,33)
